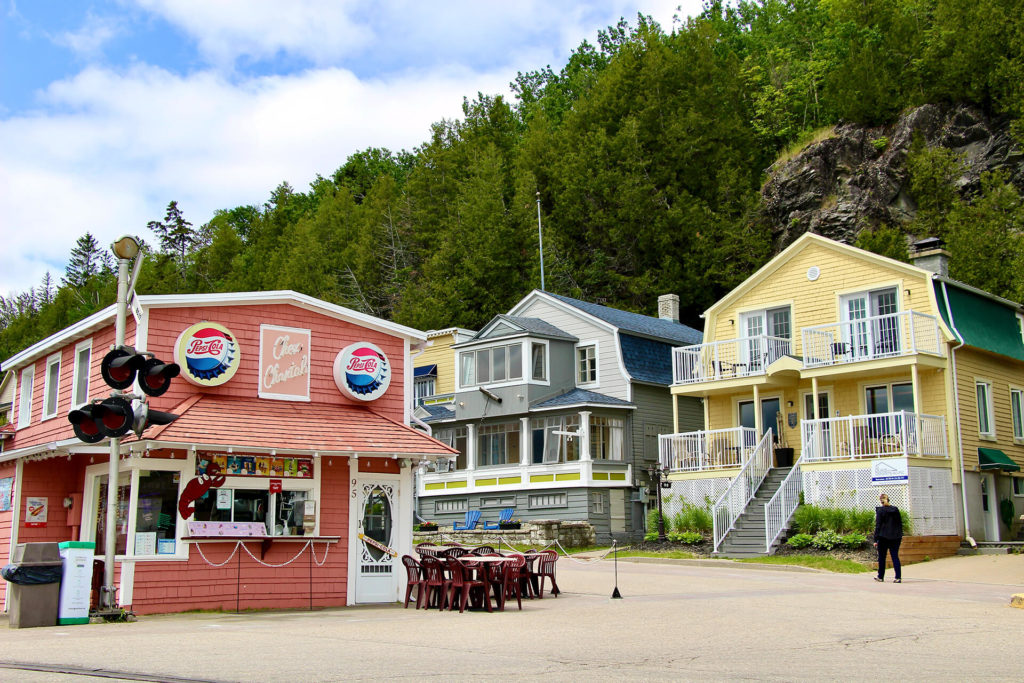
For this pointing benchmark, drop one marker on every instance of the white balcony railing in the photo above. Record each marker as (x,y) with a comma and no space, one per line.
(881,336)
(706,450)
(733,501)
(873,436)
(743,357)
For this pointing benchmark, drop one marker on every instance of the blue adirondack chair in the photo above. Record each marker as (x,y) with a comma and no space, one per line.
(472,519)
(505,516)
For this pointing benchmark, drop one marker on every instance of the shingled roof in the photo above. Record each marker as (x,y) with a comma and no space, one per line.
(644,325)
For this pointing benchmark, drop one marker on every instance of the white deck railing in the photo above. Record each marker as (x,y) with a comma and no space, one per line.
(743,357)
(882,336)
(873,436)
(731,504)
(780,508)
(706,450)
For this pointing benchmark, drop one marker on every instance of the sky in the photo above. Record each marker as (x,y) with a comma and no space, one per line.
(110,110)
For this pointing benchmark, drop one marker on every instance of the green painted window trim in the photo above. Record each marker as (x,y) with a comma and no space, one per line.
(567,476)
(510,480)
(485,482)
(541,477)
(457,484)
(600,476)
(618,476)
(434,487)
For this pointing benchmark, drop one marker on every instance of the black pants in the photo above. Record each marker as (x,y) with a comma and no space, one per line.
(892,547)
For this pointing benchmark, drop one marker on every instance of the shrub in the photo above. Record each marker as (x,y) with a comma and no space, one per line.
(908,524)
(652,521)
(880,143)
(836,519)
(651,536)
(692,518)
(809,519)
(686,537)
(800,541)
(854,541)
(826,540)
(862,521)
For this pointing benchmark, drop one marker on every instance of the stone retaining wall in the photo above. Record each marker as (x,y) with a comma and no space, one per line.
(538,532)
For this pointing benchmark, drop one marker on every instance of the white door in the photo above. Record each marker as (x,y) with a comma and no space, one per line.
(989,502)
(375,558)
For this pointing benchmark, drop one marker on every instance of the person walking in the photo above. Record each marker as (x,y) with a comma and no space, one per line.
(888,535)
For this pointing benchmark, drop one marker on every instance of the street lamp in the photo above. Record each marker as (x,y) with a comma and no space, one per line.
(656,473)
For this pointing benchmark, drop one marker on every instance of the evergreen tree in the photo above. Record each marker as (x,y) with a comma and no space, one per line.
(176,235)
(85,262)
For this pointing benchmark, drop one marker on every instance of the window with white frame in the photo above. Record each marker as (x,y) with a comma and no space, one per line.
(80,389)
(51,391)
(456,438)
(25,396)
(597,502)
(605,438)
(455,505)
(539,361)
(547,500)
(555,439)
(586,364)
(498,444)
(986,427)
(492,365)
(424,386)
(1017,412)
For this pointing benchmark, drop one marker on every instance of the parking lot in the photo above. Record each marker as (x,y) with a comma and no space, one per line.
(674,622)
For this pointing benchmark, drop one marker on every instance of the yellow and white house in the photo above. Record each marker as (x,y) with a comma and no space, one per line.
(434,371)
(880,376)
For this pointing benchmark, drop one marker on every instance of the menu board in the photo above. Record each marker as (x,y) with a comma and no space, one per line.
(242,465)
(227,529)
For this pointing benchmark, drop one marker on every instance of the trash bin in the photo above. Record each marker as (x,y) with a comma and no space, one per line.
(34,574)
(75,582)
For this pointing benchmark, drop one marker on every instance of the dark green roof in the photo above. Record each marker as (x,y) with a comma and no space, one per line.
(981,321)
(995,459)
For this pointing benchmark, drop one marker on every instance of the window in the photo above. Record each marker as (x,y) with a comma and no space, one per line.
(871,327)
(597,502)
(424,386)
(770,408)
(1017,412)
(550,446)
(605,438)
(52,387)
(83,356)
(547,500)
(984,394)
(456,438)
(25,397)
(1017,483)
(586,364)
(538,362)
(494,364)
(498,502)
(156,512)
(498,444)
(757,352)
(456,505)
(889,398)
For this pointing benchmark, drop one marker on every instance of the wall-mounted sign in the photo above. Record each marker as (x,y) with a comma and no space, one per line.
(6,493)
(276,486)
(208,354)
(35,511)
(284,363)
(254,465)
(889,471)
(362,371)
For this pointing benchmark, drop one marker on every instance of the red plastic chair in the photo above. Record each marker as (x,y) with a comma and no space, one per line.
(413,577)
(511,580)
(464,586)
(433,581)
(546,569)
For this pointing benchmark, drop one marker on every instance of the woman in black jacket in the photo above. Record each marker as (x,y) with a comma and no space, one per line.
(888,534)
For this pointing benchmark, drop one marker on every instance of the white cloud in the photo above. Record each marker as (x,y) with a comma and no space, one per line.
(129,142)
(88,40)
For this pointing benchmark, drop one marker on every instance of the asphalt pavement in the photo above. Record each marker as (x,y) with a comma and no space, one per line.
(948,620)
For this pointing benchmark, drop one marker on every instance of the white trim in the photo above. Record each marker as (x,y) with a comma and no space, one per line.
(528,378)
(991,434)
(524,363)
(84,326)
(53,359)
(77,376)
(1018,439)
(583,404)
(263,393)
(596,344)
(538,294)
(25,411)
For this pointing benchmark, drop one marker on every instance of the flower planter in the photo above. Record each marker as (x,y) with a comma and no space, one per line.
(510,525)
(428,527)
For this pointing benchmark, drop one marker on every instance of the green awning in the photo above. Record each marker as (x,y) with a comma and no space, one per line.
(995,459)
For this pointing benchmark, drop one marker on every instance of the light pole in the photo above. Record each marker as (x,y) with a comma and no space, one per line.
(125,249)
(655,473)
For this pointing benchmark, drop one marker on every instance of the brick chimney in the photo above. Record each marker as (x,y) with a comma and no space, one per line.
(930,255)
(668,307)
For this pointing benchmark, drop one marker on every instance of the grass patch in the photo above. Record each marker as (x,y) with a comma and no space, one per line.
(813,561)
(520,547)
(669,554)
(805,140)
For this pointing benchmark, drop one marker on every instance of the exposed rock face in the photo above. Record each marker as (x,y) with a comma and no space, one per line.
(858,177)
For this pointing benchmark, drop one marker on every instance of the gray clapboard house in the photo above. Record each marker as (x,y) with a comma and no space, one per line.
(556,413)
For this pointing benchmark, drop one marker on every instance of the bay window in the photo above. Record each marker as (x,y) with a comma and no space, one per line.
(549,446)
(498,444)
(491,365)
(605,438)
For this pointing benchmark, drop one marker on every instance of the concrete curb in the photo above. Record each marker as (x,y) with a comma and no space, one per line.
(728,564)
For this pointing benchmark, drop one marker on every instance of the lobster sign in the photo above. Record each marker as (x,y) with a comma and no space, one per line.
(198,487)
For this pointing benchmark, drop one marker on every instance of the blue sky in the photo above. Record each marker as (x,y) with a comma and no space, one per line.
(109,110)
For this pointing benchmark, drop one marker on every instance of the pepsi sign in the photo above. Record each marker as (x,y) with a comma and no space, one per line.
(362,371)
(208,354)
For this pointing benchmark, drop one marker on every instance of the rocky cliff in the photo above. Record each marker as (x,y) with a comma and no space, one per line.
(857,177)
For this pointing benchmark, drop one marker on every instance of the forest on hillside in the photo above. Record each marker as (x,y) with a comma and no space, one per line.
(646,153)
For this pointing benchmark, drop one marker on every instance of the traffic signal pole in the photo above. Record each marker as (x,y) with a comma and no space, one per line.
(108,595)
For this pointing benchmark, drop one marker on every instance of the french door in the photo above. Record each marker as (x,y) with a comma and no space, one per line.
(870,326)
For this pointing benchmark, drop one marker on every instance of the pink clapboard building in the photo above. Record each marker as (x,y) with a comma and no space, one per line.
(297,408)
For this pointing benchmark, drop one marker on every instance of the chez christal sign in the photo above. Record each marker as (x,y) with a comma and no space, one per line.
(284,363)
